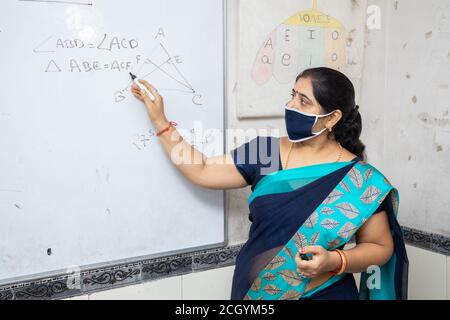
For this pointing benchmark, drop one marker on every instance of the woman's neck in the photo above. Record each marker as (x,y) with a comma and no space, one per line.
(317,150)
(317,145)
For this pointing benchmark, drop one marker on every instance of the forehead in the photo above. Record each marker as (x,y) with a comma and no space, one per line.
(303,85)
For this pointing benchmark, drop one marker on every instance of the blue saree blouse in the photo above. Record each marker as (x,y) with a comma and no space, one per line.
(283,201)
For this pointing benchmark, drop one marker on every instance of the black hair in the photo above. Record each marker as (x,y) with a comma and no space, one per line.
(334,90)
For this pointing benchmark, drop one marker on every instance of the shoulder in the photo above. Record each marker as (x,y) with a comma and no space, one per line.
(376,182)
(250,157)
(371,174)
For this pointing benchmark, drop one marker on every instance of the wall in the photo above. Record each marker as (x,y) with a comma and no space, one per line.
(405,104)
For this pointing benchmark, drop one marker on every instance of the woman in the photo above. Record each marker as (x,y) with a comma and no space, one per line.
(308,201)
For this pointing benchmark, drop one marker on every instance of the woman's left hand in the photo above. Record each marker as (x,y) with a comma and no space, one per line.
(321,262)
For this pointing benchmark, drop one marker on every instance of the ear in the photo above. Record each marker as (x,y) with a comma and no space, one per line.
(334,118)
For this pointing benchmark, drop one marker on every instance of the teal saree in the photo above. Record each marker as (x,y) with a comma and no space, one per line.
(322,205)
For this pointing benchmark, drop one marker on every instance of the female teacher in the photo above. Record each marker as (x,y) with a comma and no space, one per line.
(308,201)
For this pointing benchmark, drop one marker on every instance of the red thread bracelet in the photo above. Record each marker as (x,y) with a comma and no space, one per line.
(171,123)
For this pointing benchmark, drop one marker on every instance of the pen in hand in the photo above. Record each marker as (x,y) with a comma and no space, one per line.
(142,87)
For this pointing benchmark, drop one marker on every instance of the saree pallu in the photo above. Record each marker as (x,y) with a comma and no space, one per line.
(322,205)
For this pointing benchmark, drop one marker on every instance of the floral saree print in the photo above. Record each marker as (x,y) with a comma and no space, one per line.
(322,205)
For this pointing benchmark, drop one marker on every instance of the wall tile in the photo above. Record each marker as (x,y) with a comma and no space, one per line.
(427,274)
(211,285)
(165,289)
(448,278)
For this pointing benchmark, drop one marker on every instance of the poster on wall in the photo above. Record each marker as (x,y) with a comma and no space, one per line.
(276,43)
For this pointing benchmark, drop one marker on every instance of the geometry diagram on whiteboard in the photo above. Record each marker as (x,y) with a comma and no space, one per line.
(161,68)
(305,40)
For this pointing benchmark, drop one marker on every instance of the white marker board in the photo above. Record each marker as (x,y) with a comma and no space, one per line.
(83,179)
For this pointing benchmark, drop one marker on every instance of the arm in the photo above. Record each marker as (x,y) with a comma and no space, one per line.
(213,173)
(374,247)
(374,244)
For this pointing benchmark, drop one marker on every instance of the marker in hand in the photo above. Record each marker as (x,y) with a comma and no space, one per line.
(142,87)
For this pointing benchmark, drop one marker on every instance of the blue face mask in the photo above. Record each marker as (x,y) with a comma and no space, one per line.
(299,125)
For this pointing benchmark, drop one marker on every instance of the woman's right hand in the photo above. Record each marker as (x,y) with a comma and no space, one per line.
(155,109)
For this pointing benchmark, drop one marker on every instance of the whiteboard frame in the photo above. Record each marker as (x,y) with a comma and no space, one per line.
(18,281)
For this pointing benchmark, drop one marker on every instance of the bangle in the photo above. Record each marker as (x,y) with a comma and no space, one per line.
(171,123)
(336,271)
(344,262)
(342,265)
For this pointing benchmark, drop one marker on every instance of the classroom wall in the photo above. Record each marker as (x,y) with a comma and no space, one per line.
(389,108)
(405,105)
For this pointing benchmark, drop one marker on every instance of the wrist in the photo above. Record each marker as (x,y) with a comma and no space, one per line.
(161,124)
(335,261)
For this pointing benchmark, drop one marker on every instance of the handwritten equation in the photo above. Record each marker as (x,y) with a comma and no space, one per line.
(142,141)
(159,61)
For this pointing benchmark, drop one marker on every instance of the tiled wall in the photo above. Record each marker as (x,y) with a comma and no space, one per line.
(212,284)
(429,278)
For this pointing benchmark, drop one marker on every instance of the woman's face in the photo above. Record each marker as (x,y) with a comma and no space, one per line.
(304,101)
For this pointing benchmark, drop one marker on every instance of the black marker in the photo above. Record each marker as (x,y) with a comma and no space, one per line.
(304,257)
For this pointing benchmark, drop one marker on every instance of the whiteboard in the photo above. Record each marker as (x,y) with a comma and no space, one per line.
(279,42)
(83,179)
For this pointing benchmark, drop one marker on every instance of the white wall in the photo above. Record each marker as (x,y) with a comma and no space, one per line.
(237,199)
(405,106)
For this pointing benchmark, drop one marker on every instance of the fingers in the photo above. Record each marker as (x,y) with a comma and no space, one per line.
(143,95)
(313,249)
(151,88)
(147,85)
(308,268)
(303,264)
(136,90)
(137,93)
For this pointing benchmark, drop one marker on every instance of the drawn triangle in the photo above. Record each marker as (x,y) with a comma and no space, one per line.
(173,64)
(52,67)
(161,70)
(171,70)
